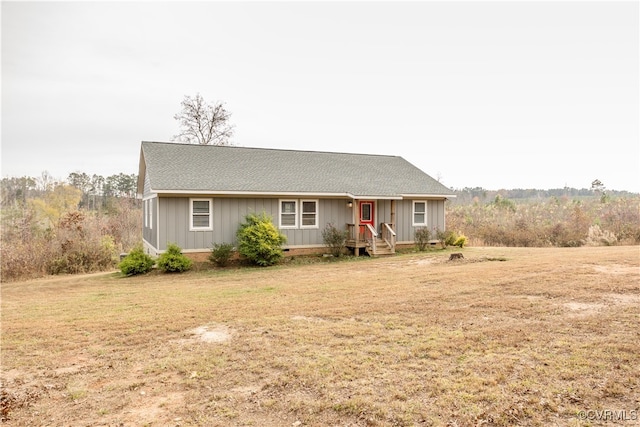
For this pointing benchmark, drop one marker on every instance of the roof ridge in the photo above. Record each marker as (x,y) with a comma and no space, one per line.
(273,149)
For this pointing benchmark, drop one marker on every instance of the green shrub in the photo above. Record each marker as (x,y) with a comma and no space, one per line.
(460,241)
(173,261)
(421,237)
(334,239)
(136,262)
(450,238)
(259,240)
(221,254)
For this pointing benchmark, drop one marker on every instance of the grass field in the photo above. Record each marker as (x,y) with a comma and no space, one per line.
(507,336)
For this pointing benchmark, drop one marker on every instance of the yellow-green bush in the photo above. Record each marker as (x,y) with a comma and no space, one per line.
(259,240)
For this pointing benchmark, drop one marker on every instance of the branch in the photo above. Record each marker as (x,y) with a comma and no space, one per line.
(203,123)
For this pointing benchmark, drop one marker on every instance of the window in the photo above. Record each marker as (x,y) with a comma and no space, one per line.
(305,217)
(309,214)
(201,214)
(366,209)
(419,213)
(288,213)
(148,214)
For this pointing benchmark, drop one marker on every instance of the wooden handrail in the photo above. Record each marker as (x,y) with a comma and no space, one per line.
(388,235)
(374,236)
(358,235)
(373,231)
(388,227)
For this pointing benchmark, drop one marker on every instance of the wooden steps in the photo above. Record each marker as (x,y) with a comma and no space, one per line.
(382,249)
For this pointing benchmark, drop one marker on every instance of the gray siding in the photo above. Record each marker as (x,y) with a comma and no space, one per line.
(150,234)
(404,211)
(228,213)
(173,225)
(333,211)
(383,212)
(435,209)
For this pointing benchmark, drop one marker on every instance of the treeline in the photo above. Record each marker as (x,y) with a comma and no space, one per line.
(96,190)
(79,224)
(563,221)
(469,195)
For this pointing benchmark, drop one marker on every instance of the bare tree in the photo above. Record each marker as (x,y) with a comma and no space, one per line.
(202,123)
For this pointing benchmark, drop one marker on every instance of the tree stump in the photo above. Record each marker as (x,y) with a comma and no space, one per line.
(455,256)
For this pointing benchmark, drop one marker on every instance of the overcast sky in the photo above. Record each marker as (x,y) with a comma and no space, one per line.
(477,94)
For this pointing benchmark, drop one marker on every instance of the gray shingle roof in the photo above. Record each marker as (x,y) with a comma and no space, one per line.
(208,168)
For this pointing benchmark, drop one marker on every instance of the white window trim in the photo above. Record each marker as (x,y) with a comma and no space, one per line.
(316,213)
(295,225)
(413,214)
(148,217)
(191,226)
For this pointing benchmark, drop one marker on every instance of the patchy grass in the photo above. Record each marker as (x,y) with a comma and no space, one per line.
(409,340)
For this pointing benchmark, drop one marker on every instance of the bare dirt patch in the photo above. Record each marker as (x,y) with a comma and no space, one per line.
(623,299)
(212,333)
(407,340)
(583,309)
(617,269)
(608,302)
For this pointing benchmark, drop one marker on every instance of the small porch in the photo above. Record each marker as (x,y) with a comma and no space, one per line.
(374,243)
(362,234)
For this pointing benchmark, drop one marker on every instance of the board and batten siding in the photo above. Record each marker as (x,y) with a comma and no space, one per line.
(334,211)
(149,231)
(229,213)
(171,220)
(150,234)
(405,230)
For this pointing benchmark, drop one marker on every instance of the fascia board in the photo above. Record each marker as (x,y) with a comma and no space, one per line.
(301,194)
(249,193)
(429,196)
(142,171)
(373,197)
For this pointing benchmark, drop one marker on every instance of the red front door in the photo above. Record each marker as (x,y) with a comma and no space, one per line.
(367,213)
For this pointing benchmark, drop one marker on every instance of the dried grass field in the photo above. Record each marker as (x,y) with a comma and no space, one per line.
(506,336)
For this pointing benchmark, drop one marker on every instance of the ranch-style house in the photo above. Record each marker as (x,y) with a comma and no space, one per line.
(197,195)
